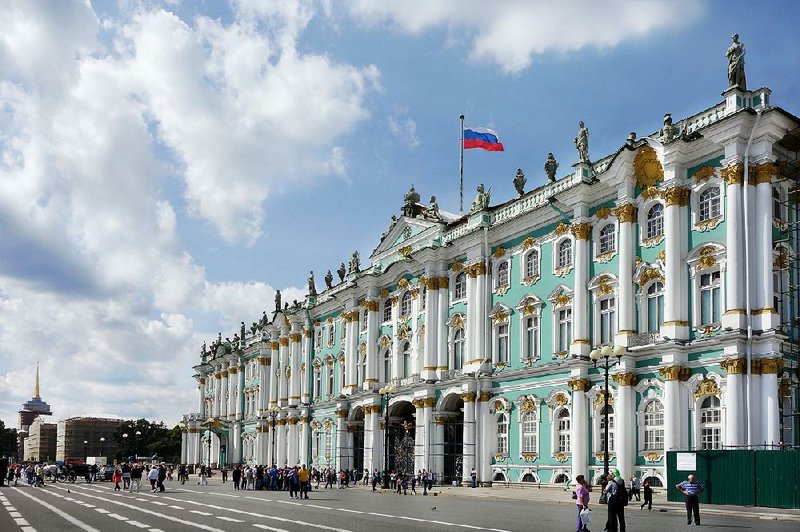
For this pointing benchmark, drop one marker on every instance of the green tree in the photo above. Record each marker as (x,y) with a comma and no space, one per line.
(148,438)
(8,441)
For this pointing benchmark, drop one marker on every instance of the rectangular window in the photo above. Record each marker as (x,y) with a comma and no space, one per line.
(330,382)
(315,445)
(531,337)
(711,438)
(502,343)
(564,329)
(317,383)
(607,320)
(709,298)
(328,444)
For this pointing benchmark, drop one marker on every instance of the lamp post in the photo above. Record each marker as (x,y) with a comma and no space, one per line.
(125,444)
(385,394)
(209,448)
(102,445)
(85,450)
(604,354)
(273,414)
(136,444)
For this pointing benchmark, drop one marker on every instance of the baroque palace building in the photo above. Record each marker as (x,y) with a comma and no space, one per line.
(478,328)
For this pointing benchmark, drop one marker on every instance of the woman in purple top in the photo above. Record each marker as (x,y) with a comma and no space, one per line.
(582,493)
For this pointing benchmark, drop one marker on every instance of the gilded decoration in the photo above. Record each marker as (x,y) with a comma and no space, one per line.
(476,270)
(292,421)
(457,266)
(529,457)
(704,174)
(605,257)
(662,255)
(444,283)
(784,389)
(626,213)
(295,337)
(304,419)
(528,243)
(647,168)
(707,387)
(306,332)
(578,385)
(499,458)
(600,399)
(561,457)
(624,379)
(734,366)
(371,305)
(561,229)
(674,373)
(763,173)
(530,281)
(499,406)
(603,213)
(303,367)
(500,316)
(402,283)
(458,321)
(362,348)
(341,413)
(316,425)
(563,299)
(385,341)
(440,420)
(317,364)
(650,274)
(527,406)
(653,457)
(274,345)
(605,288)
(283,341)
(677,196)
(560,399)
(755,366)
(582,231)
(707,260)
(484,397)
(429,402)
(652,241)
(328,424)
(394,300)
(733,175)
(341,358)
(771,366)
(384,293)
(651,193)
(781,262)
(707,225)
(417,403)
(500,252)
(563,271)
(405,251)
(414,293)
(529,307)
(468,397)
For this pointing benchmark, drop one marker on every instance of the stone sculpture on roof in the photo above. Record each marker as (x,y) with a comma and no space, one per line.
(582,142)
(735,54)
(519,182)
(551,167)
(481,201)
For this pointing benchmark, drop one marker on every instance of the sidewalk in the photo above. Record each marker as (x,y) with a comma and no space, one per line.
(660,503)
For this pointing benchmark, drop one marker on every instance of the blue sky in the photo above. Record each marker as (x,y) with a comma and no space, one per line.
(163,167)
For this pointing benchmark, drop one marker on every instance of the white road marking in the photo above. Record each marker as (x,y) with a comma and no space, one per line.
(318,506)
(198,512)
(102,511)
(138,524)
(159,503)
(176,507)
(265,527)
(64,515)
(349,511)
(15,514)
(21,522)
(231,519)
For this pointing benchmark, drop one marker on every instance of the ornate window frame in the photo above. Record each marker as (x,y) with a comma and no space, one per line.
(382,356)
(330,376)
(456,322)
(455,276)
(405,297)
(330,336)
(647,274)
(596,396)
(651,391)
(558,400)
(560,270)
(317,379)
(643,214)
(603,287)
(530,307)
(530,278)
(707,257)
(387,305)
(561,300)
(500,316)
(499,289)
(529,405)
(599,254)
(698,188)
(701,386)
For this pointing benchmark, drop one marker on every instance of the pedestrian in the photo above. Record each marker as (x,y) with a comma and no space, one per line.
(237,477)
(116,478)
(636,483)
(692,489)
(474,476)
(582,500)
(224,475)
(617,499)
(152,476)
(375,480)
(162,476)
(648,496)
(304,477)
(136,478)
(126,476)
(414,484)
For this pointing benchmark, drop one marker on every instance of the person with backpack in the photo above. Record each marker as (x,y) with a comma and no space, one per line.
(617,500)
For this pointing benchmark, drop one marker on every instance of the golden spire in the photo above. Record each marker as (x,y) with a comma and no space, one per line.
(36,389)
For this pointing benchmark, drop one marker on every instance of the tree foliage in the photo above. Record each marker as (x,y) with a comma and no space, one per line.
(154,439)
(8,441)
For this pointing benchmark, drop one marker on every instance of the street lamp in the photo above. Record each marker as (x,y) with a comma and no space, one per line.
(604,354)
(385,394)
(273,413)
(102,445)
(209,449)
(136,444)
(85,451)
(125,444)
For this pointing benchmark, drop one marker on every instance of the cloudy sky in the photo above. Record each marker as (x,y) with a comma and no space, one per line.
(165,166)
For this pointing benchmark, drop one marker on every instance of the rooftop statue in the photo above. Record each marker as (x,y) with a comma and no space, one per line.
(355,262)
(254,328)
(551,167)
(341,272)
(433,210)
(277,301)
(410,201)
(481,201)
(241,331)
(519,182)
(329,280)
(582,142)
(264,319)
(668,131)
(203,351)
(736,77)
(312,286)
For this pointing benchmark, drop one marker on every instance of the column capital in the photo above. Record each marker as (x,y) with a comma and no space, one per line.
(283,341)
(674,373)
(676,196)
(579,385)
(624,379)
(771,366)
(763,173)
(733,174)
(626,213)
(468,397)
(581,231)
(341,413)
(476,269)
(371,305)
(734,366)
(295,337)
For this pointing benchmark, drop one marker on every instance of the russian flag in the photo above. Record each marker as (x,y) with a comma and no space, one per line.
(483,138)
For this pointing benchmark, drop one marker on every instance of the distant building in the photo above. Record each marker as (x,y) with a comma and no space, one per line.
(79,437)
(29,412)
(40,444)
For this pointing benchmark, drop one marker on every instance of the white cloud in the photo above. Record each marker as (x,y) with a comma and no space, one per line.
(405,130)
(511,33)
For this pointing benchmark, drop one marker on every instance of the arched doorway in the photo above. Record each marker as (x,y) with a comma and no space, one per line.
(452,412)
(401,431)
(356,429)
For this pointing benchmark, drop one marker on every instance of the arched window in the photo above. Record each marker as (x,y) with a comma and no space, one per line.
(364,319)
(502,434)
(331,333)
(328,444)
(602,425)
(317,383)
(405,304)
(387,310)
(387,365)
(530,432)
(561,478)
(460,288)
(655,221)
(343,376)
(565,253)
(607,239)
(709,203)
(564,329)
(331,379)
(710,423)
(315,445)
(529,477)
(709,298)
(407,360)
(654,426)
(502,274)
(563,428)
(458,348)
(532,264)
(655,307)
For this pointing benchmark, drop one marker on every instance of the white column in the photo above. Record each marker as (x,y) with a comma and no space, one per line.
(262,403)
(304,454)
(430,363)
(769,391)
(469,434)
(675,286)
(626,214)
(280,442)
(201,401)
(437,465)
(484,427)
(481,312)
(624,423)
(377,437)
(419,435)
(427,448)
(580,296)
(472,331)
(765,316)
(371,378)
(262,443)
(283,383)
(734,316)
(217,392)
(443,306)
(292,440)
(308,350)
(223,391)
(274,380)
(578,423)
(233,391)
(240,395)
(294,379)
(672,407)
(397,345)
(342,453)
(351,321)
(734,401)
(235,456)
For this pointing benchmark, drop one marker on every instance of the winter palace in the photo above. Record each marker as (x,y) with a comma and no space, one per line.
(465,341)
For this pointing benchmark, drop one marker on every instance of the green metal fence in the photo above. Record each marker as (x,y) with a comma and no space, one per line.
(738,477)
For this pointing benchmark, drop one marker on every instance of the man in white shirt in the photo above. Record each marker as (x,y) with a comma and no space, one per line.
(152,476)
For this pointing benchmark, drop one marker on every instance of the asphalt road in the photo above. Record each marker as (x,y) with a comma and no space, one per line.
(96,507)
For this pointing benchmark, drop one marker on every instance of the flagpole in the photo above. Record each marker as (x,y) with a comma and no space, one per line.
(461,179)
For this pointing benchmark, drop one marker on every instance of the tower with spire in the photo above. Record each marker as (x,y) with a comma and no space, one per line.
(31,410)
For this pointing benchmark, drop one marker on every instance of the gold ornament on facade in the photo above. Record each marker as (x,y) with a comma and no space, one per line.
(306,332)
(444,283)
(733,175)
(499,458)
(429,402)
(652,241)
(500,252)
(341,358)
(385,341)
(662,256)
(484,397)
(707,225)
(603,213)
(528,243)
(405,251)
(582,231)
(624,379)
(362,348)
(295,337)
(499,406)
(440,420)
(784,388)
(605,257)
(755,368)
(562,299)
(274,345)
(626,213)
(600,399)
(529,308)
(605,288)
(561,229)
(394,300)
(647,168)
(527,406)
(771,366)
(328,424)
(674,373)
(384,293)
(468,397)
(341,413)
(402,283)
(560,399)
(529,457)
(651,193)
(578,385)
(458,321)
(501,316)
(676,196)
(292,421)
(763,173)
(707,387)
(704,174)
(561,457)
(734,366)
(652,457)
(650,274)
(414,292)
(283,341)
(457,266)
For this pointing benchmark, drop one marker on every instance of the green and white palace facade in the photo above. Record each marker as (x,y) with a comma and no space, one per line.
(480,326)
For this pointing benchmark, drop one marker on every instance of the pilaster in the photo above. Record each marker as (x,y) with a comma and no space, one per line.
(578,423)
(734,317)
(624,430)
(676,324)
(735,415)
(626,215)
(430,363)
(581,344)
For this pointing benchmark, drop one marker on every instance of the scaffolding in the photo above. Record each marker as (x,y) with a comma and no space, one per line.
(786,276)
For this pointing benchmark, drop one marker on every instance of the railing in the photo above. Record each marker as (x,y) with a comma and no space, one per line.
(648,338)
(450,374)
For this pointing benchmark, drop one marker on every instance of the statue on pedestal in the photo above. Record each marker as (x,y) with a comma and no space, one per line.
(242,331)
(329,280)
(551,167)
(410,201)
(735,54)
(481,200)
(277,301)
(519,182)
(582,142)
(355,263)
(341,272)
(433,210)
(668,131)
(312,286)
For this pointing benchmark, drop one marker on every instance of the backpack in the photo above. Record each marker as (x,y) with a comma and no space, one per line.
(621,497)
